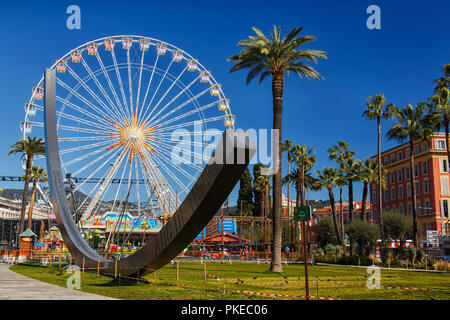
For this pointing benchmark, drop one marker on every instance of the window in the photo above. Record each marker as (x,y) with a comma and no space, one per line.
(401,210)
(400,175)
(400,192)
(443,165)
(416,149)
(426,186)
(425,167)
(408,153)
(400,155)
(393,177)
(386,195)
(417,187)
(444,208)
(408,173)
(425,146)
(386,160)
(416,170)
(444,185)
(393,194)
(427,205)
(408,190)
(392,157)
(374,197)
(409,209)
(439,144)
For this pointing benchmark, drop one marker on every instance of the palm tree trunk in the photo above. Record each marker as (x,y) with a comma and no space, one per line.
(380,189)
(288,190)
(413,193)
(277,92)
(30,208)
(446,123)
(364,200)
(342,220)
(303,185)
(333,212)
(25,194)
(350,200)
(350,209)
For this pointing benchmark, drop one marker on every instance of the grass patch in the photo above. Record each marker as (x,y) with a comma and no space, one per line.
(256,278)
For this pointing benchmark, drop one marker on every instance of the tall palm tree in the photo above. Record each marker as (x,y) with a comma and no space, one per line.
(377,109)
(341,182)
(440,107)
(344,158)
(38,174)
(276,55)
(29,148)
(413,125)
(304,159)
(296,176)
(328,178)
(369,174)
(287,146)
(444,81)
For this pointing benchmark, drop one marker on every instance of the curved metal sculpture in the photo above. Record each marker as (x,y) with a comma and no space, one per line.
(229,160)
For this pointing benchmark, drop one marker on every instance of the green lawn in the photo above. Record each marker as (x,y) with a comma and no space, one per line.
(255,278)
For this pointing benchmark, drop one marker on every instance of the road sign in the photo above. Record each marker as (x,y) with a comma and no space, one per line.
(302,213)
(433,238)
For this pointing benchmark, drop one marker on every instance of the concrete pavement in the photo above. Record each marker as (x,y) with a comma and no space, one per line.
(14,286)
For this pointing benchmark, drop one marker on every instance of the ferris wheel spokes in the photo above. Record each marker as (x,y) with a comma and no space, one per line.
(112,115)
(111,173)
(102,90)
(111,87)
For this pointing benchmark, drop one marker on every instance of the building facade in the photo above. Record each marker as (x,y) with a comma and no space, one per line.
(431,169)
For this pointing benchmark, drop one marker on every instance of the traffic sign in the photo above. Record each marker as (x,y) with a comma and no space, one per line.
(302,213)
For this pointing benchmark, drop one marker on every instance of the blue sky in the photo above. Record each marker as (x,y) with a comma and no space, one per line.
(400,60)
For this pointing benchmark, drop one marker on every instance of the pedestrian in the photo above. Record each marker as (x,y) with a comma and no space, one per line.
(287,251)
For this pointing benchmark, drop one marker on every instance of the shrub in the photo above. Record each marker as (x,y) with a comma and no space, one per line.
(324,232)
(420,255)
(363,234)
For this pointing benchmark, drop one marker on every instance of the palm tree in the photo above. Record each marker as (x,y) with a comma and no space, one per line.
(341,181)
(296,176)
(344,158)
(38,174)
(369,174)
(328,178)
(304,159)
(287,146)
(443,82)
(276,55)
(440,107)
(377,109)
(29,148)
(413,125)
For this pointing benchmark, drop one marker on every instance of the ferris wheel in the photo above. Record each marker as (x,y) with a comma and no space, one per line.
(134,121)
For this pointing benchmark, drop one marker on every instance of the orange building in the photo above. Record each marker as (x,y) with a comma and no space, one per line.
(431,170)
(326,211)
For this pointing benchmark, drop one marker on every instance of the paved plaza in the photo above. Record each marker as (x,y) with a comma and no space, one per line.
(14,286)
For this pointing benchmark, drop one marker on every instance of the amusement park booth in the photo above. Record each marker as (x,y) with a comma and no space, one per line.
(27,239)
